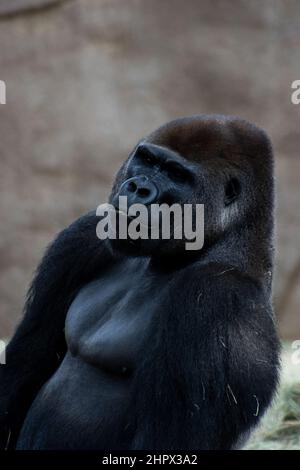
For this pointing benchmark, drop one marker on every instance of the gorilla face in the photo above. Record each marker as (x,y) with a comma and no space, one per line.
(156,175)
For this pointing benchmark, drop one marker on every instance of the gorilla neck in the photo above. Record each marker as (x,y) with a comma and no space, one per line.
(247,248)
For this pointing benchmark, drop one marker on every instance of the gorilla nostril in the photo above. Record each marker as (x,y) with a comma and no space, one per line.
(143,192)
(139,189)
(131,187)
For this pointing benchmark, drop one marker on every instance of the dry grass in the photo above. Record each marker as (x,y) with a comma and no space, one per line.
(280,428)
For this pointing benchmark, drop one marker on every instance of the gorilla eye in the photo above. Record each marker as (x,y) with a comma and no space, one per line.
(175,173)
(146,156)
(149,159)
(232,191)
(178,173)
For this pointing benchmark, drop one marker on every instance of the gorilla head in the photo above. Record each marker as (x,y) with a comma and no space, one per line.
(222,162)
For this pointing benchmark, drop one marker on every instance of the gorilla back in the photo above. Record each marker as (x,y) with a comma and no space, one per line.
(140,344)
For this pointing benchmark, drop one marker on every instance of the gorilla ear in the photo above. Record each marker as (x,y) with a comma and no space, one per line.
(232,191)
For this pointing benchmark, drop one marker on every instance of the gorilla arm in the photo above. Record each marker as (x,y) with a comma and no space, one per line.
(38,346)
(212,364)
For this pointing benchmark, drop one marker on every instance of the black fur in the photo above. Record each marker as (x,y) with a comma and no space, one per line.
(207,367)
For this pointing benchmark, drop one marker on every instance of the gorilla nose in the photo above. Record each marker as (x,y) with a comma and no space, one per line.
(139,189)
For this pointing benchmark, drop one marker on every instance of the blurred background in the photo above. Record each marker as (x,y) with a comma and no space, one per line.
(86,79)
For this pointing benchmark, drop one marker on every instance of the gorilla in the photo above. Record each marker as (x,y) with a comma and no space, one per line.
(142,344)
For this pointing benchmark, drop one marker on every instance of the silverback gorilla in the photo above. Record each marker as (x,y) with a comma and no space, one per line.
(142,344)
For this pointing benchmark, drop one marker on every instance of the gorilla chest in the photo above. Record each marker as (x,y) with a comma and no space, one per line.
(107,322)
